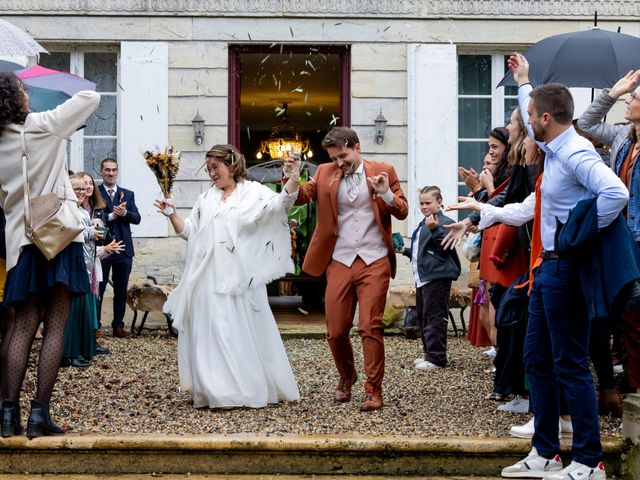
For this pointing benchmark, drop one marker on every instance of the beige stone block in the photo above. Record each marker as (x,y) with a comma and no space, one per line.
(379,84)
(186,192)
(395,139)
(365,110)
(195,54)
(212,109)
(110,29)
(379,56)
(211,82)
(181,136)
(171,250)
(402,296)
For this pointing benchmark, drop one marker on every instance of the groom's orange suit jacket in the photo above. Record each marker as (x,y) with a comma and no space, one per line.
(323,189)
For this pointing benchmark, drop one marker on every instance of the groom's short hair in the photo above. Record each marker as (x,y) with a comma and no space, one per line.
(340,137)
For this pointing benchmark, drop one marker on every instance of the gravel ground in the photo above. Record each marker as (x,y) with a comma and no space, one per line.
(135,390)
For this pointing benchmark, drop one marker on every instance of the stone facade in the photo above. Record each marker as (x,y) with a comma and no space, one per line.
(310,8)
(198,33)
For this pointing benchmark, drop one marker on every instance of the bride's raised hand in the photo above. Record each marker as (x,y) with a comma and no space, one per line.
(161,205)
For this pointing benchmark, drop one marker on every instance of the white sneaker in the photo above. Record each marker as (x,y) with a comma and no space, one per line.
(578,471)
(490,353)
(517,405)
(533,466)
(427,365)
(418,360)
(565,429)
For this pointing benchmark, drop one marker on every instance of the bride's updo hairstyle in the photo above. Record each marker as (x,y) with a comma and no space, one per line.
(232,158)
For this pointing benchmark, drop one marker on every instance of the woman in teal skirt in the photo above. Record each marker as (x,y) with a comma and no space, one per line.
(80,334)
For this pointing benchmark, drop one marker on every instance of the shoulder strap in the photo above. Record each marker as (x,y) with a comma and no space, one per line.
(25,184)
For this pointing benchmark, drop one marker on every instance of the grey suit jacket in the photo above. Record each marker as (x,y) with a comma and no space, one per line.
(591,122)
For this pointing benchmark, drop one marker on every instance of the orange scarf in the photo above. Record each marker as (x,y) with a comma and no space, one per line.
(536,238)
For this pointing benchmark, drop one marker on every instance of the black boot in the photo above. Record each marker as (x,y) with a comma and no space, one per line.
(10,418)
(40,422)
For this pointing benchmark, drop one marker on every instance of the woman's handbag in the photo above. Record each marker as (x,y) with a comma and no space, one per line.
(50,223)
(474,275)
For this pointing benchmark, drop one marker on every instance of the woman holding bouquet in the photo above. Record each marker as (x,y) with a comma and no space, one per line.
(230,353)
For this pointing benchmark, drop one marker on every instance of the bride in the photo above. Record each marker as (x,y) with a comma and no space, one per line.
(230,353)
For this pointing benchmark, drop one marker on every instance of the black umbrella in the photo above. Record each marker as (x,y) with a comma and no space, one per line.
(6,66)
(592,58)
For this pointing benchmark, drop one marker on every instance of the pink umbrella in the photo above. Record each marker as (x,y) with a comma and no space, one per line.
(68,83)
(49,88)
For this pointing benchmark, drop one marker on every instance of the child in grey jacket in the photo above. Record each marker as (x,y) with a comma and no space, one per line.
(433,269)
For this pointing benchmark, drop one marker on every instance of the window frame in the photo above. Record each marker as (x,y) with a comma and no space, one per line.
(76,66)
(497,95)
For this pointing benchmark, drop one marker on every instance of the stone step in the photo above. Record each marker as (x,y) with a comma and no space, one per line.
(226,477)
(271,455)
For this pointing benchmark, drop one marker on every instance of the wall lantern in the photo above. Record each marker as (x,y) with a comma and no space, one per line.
(381,124)
(198,128)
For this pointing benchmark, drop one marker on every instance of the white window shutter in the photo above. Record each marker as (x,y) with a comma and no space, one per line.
(143,108)
(432,72)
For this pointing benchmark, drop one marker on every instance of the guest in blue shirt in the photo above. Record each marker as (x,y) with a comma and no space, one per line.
(557,343)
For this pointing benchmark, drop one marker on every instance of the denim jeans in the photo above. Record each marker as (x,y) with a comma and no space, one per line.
(556,356)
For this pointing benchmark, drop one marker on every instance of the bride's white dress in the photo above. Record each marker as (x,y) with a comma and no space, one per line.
(230,353)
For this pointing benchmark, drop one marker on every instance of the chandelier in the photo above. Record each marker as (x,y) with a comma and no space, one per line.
(284,140)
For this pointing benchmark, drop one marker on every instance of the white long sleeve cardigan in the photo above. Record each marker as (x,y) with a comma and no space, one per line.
(46,138)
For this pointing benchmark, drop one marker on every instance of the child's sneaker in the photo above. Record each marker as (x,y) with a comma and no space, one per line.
(578,471)
(533,466)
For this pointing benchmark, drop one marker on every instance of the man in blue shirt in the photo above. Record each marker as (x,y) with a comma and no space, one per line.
(557,341)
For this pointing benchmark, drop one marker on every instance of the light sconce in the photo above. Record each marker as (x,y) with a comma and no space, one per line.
(381,124)
(198,128)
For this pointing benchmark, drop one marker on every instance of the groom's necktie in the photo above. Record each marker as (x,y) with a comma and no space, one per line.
(111,194)
(353,185)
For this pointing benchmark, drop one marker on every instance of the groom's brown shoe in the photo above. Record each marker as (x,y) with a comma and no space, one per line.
(371,402)
(343,390)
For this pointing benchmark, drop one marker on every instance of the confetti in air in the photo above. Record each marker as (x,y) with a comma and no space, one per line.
(297,90)
(334,120)
(304,72)
(264,59)
(279,111)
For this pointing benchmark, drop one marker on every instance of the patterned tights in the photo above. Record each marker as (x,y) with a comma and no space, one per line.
(27,319)
(6,323)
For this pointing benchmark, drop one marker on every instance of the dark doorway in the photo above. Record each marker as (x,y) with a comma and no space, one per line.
(306,87)
(309,83)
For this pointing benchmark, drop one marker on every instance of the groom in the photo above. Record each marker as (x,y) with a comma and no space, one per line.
(352,245)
